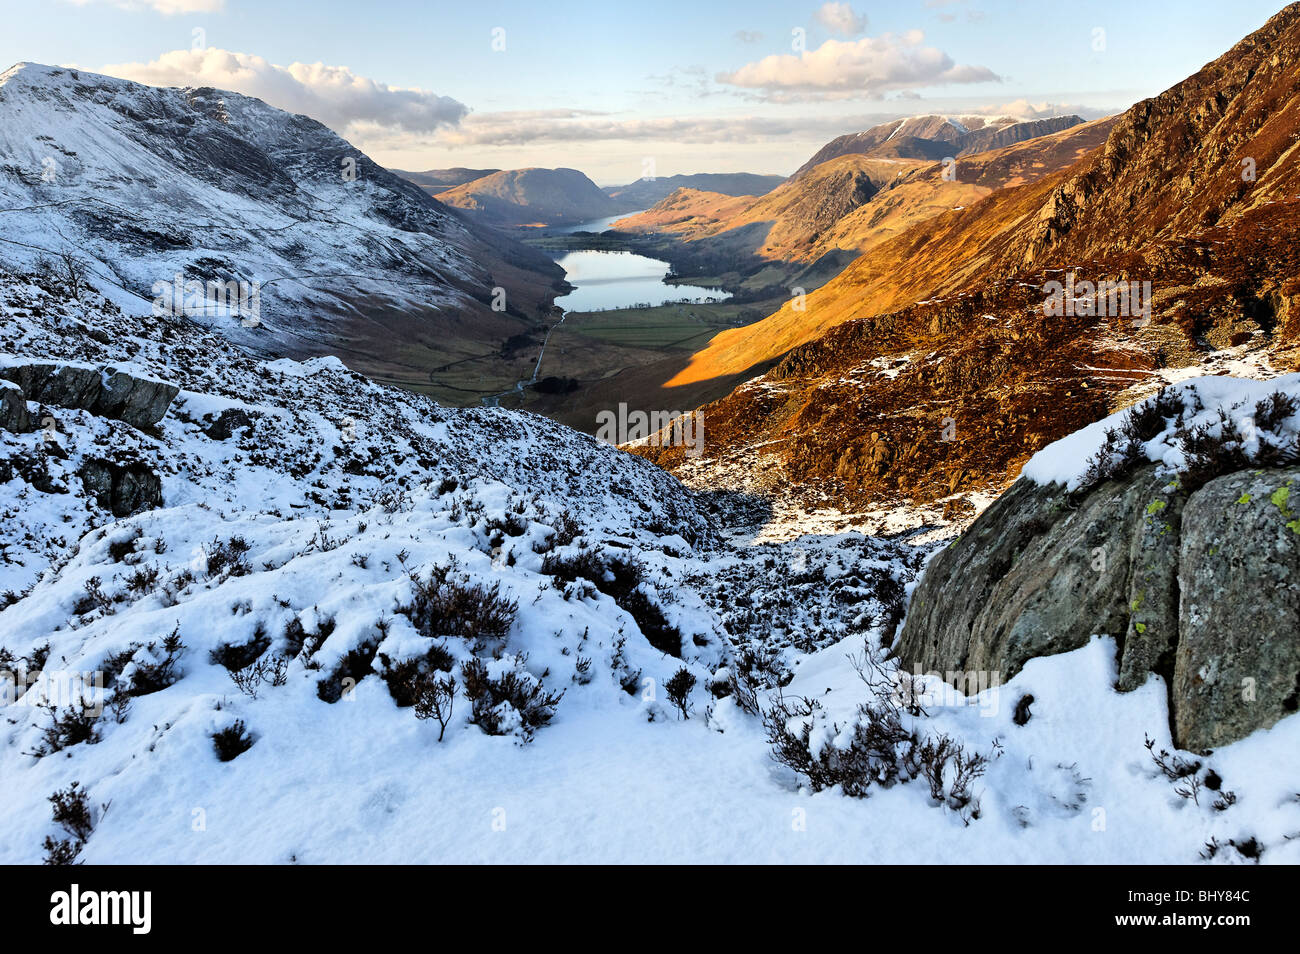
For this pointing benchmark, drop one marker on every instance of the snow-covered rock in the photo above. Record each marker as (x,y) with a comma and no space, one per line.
(1170,526)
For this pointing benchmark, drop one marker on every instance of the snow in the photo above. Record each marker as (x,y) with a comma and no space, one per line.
(1065,461)
(343,490)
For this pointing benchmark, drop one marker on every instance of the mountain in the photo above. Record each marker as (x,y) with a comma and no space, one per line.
(822,219)
(517,198)
(434,181)
(147,183)
(646,192)
(932,368)
(934,137)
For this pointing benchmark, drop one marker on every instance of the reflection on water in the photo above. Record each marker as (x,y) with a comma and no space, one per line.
(622,280)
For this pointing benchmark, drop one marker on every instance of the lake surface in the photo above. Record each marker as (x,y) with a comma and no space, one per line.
(594,225)
(622,280)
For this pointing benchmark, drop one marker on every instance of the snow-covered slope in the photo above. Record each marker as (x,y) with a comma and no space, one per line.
(333,546)
(148,183)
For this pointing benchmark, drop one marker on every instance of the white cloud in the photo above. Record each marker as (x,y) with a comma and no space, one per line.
(840,18)
(869,67)
(525,127)
(334,95)
(165,7)
(1023,109)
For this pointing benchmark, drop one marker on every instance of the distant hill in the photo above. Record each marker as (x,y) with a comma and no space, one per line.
(434,181)
(935,137)
(531,197)
(646,192)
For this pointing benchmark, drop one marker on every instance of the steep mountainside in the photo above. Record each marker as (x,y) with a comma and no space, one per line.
(646,192)
(825,218)
(148,183)
(526,197)
(790,219)
(946,369)
(687,214)
(1206,152)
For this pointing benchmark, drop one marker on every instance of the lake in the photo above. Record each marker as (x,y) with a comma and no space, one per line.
(594,225)
(622,279)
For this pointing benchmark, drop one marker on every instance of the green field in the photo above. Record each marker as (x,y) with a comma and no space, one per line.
(664,326)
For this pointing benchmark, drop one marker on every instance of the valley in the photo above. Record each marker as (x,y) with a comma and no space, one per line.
(629,338)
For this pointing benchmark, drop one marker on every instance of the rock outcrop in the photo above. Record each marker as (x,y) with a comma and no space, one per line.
(105,391)
(14,416)
(230,420)
(122,486)
(1200,588)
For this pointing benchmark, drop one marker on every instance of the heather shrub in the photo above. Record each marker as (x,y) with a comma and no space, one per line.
(232,741)
(155,668)
(679,688)
(70,808)
(406,678)
(355,665)
(237,656)
(620,578)
(883,745)
(510,702)
(68,727)
(446,603)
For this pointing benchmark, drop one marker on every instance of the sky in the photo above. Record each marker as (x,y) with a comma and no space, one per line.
(623,89)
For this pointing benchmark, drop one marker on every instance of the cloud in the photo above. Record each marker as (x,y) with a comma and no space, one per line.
(840,18)
(165,7)
(334,95)
(1024,109)
(972,16)
(535,127)
(571,127)
(841,69)
(692,80)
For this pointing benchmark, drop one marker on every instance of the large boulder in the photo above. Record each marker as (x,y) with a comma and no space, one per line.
(14,416)
(103,390)
(1238,657)
(1201,588)
(122,486)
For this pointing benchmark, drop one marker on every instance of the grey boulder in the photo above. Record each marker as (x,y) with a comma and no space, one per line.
(1201,588)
